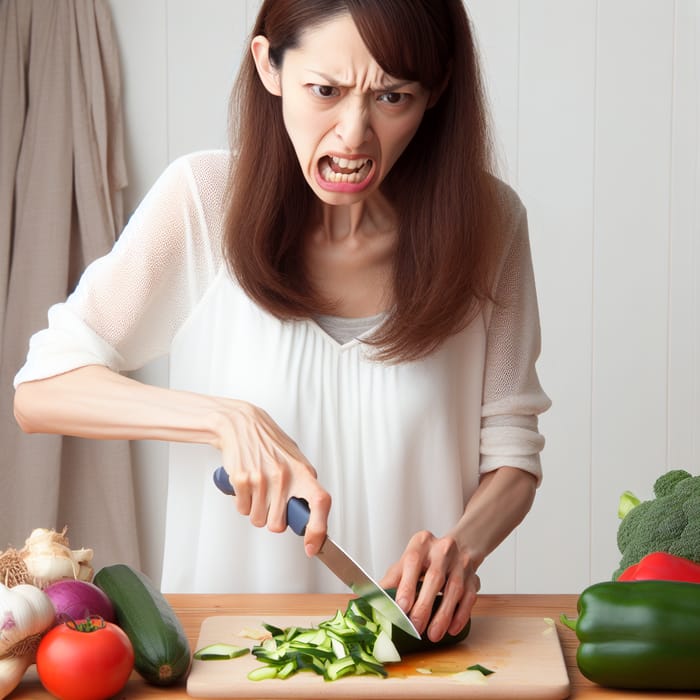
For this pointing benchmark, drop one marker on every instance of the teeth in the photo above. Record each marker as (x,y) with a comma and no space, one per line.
(345,163)
(362,168)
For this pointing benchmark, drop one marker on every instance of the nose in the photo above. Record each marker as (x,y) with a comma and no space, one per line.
(353,125)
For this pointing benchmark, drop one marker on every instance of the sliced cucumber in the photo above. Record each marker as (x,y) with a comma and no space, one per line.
(357,641)
(263,673)
(213,652)
(384,649)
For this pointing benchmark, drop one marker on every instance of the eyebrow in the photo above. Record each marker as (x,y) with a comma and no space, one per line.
(388,87)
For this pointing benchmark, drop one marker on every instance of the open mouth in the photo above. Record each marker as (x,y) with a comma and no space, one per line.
(344,170)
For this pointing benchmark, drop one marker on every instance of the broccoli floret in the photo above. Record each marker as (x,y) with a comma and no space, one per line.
(670,522)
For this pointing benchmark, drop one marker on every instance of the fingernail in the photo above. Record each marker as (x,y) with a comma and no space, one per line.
(309,550)
(402,603)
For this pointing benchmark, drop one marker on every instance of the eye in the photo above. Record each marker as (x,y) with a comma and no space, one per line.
(325,91)
(393,98)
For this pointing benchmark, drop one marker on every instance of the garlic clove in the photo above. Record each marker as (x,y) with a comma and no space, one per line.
(12,669)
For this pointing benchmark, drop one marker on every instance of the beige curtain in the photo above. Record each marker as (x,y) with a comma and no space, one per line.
(61,175)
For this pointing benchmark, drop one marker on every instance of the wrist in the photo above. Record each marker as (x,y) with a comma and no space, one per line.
(468,545)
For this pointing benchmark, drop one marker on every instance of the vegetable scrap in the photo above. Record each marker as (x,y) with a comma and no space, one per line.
(470,676)
(257,634)
(475,674)
(481,669)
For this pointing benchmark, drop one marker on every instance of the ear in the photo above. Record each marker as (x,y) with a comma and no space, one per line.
(269,75)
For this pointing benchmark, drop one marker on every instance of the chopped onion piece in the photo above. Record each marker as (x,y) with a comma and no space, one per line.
(257,634)
(472,677)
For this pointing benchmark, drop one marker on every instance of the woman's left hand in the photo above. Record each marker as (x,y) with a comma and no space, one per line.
(439,564)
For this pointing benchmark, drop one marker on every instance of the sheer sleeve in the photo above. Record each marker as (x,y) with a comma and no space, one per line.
(129,304)
(513,397)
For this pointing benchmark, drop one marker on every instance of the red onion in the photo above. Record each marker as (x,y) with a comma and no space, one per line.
(75,600)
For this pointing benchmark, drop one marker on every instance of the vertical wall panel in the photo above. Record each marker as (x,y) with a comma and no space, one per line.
(684,352)
(635,51)
(555,179)
(143,42)
(497,29)
(695,224)
(204,49)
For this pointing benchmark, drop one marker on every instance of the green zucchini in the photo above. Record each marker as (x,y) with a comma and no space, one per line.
(162,654)
(406,644)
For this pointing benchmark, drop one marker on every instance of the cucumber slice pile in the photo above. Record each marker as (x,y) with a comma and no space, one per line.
(354,642)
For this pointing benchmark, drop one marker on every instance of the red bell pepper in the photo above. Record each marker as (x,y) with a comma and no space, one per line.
(662,566)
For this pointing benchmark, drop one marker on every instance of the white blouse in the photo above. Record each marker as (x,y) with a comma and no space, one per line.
(399,446)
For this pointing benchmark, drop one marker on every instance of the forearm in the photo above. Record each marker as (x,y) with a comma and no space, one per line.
(264,464)
(95,402)
(499,504)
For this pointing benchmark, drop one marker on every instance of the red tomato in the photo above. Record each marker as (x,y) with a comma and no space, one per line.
(84,660)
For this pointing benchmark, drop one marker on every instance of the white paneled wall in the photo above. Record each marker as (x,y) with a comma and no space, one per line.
(596,110)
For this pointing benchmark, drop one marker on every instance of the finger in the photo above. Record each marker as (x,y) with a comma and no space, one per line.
(464,608)
(422,610)
(452,594)
(316,529)
(259,503)
(462,614)
(392,576)
(243,490)
(412,564)
(278,496)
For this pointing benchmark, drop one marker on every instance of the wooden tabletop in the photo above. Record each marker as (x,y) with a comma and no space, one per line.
(192,609)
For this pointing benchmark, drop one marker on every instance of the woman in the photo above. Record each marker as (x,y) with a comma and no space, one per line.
(349,309)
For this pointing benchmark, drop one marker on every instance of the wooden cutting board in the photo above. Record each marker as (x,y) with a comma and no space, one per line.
(523,652)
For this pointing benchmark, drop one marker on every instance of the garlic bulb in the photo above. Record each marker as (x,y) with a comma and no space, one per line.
(48,558)
(25,613)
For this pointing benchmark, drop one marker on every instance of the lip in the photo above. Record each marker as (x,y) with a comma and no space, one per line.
(346,187)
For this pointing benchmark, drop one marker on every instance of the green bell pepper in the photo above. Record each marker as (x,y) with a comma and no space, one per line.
(639,634)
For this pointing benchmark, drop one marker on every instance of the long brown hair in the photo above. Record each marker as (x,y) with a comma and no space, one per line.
(441,186)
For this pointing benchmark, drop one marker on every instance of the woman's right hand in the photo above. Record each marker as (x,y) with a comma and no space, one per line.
(266,468)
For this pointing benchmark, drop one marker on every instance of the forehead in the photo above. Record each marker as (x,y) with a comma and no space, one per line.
(334,49)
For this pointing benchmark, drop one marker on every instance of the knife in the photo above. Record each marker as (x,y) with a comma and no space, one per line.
(338,561)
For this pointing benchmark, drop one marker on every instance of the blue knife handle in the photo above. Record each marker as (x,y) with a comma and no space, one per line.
(297,508)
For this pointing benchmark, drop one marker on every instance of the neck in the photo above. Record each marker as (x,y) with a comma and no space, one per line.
(364,219)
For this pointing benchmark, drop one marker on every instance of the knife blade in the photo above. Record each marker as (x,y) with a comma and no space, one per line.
(337,560)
